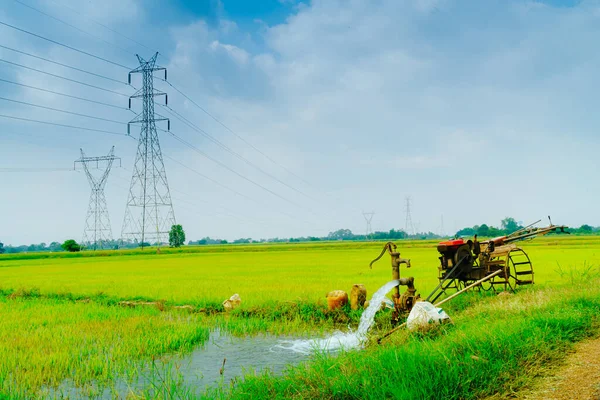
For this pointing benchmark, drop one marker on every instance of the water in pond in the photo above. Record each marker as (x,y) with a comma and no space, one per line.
(203,368)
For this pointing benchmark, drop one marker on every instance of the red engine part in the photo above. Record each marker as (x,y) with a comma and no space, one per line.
(453,243)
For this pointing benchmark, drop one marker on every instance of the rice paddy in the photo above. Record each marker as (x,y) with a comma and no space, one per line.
(61,318)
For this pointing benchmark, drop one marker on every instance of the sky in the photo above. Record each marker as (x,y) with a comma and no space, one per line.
(476,110)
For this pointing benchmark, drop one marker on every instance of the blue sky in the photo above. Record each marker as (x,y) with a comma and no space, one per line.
(477,110)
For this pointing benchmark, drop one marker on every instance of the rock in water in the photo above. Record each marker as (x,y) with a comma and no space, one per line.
(232,302)
(358,296)
(336,299)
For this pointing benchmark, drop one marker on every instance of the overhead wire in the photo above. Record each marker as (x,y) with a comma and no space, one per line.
(177,114)
(72,26)
(176,89)
(62,111)
(35,169)
(222,185)
(122,94)
(229,150)
(234,133)
(62,77)
(102,25)
(64,65)
(191,146)
(228,213)
(64,94)
(65,45)
(61,125)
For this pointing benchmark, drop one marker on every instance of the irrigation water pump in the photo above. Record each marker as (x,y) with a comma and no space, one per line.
(490,264)
(402,302)
(464,262)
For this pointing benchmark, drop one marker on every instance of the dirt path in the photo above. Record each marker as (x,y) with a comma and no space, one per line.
(578,378)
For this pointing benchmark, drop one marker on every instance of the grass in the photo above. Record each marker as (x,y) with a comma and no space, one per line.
(523,333)
(62,311)
(44,341)
(283,272)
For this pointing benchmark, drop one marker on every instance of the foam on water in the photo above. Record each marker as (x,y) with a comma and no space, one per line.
(343,340)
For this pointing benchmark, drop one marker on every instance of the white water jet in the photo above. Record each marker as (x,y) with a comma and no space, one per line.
(343,340)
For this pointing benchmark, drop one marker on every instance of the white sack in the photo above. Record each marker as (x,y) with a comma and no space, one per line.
(423,315)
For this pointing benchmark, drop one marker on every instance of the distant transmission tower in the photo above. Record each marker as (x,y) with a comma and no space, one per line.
(97,232)
(149,212)
(368,218)
(408,225)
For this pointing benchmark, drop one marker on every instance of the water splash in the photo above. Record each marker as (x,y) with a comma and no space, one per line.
(343,340)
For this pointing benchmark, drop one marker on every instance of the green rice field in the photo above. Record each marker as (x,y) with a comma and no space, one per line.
(62,321)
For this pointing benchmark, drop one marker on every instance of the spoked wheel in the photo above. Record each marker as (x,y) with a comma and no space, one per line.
(487,286)
(519,267)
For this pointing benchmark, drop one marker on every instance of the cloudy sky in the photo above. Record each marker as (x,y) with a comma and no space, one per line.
(477,110)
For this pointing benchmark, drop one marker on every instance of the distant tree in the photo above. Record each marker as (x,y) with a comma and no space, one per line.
(585,228)
(71,245)
(509,225)
(341,234)
(483,230)
(176,236)
(466,232)
(223,241)
(2,249)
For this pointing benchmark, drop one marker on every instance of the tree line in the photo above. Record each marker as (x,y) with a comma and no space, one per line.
(177,237)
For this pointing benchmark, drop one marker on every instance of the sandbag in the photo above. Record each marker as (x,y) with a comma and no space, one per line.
(425,315)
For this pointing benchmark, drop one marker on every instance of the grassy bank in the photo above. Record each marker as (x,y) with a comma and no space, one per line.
(496,346)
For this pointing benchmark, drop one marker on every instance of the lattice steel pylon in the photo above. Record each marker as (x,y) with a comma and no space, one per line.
(368,218)
(408,225)
(97,232)
(149,212)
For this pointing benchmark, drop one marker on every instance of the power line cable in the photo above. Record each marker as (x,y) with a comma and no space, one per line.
(64,65)
(223,186)
(231,151)
(61,125)
(63,111)
(229,213)
(191,146)
(64,94)
(62,77)
(102,25)
(73,26)
(65,45)
(35,169)
(235,134)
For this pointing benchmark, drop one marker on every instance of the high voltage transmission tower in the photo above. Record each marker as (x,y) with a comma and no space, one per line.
(408,225)
(149,212)
(368,218)
(97,232)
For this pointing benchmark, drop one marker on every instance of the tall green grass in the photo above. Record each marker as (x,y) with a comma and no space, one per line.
(45,341)
(498,346)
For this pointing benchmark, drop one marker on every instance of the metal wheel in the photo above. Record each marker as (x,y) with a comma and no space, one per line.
(519,268)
